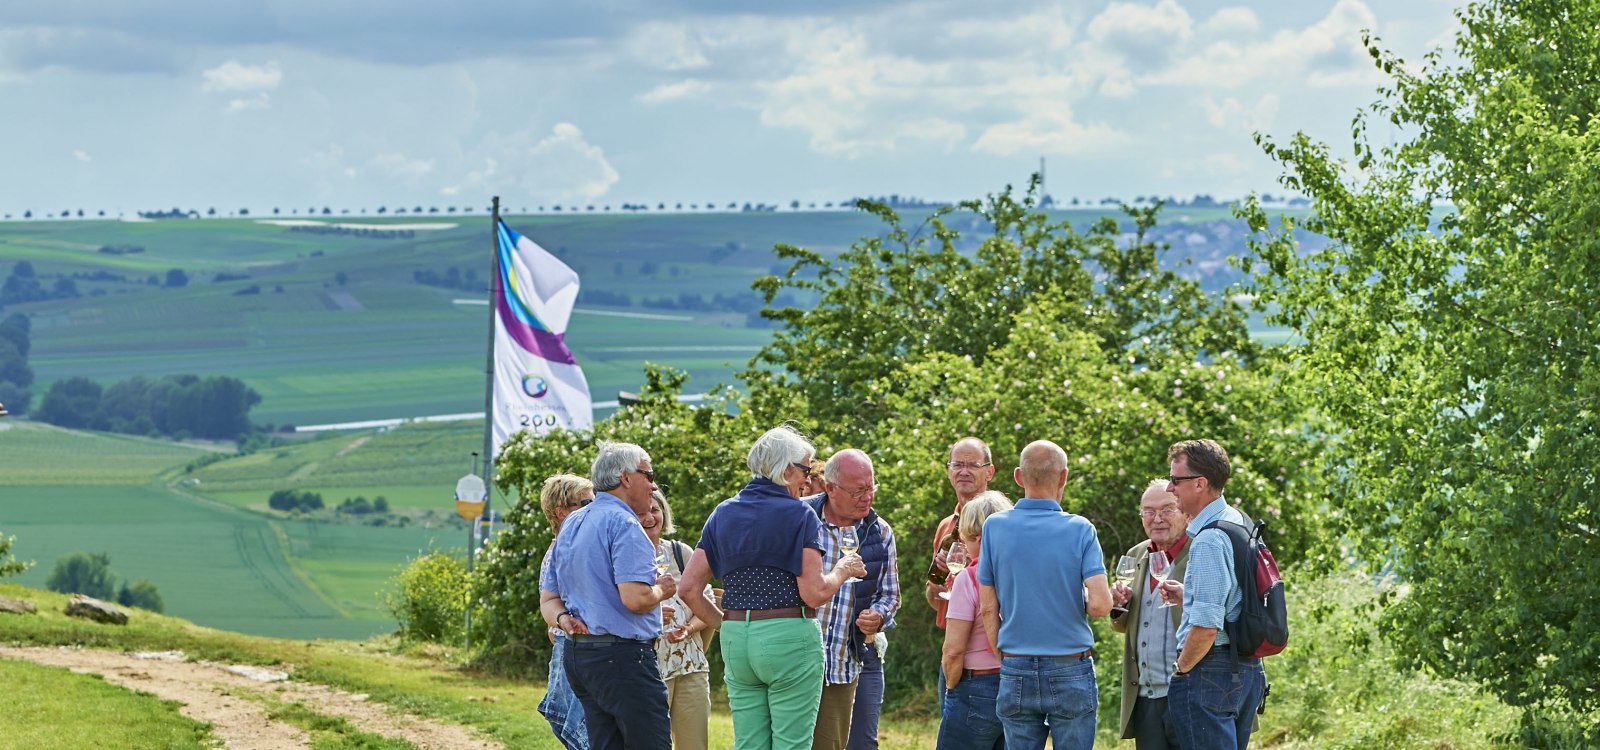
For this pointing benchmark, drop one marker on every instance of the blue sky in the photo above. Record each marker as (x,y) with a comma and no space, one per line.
(143,104)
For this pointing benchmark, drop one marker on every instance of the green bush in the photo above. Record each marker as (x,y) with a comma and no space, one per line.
(84,573)
(430,597)
(9,564)
(142,594)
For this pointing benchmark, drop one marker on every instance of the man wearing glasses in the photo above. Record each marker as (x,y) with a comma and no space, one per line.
(1151,646)
(852,676)
(1215,706)
(603,567)
(969,469)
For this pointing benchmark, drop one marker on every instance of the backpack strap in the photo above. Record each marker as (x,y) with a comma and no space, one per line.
(677,551)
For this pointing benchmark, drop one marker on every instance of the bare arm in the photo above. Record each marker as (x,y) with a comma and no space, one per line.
(815,587)
(640,598)
(989,606)
(1195,647)
(1098,595)
(695,577)
(956,633)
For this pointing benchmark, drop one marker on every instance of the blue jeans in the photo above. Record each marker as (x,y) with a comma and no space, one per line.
(560,706)
(869,701)
(624,700)
(1035,689)
(1214,705)
(968,720)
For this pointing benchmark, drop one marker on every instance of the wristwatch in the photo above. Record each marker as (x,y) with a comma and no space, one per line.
(1177,672)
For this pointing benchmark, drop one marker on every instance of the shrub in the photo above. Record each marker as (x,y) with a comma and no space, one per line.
(430,597)
(84,573)
(141,594)
(9,565)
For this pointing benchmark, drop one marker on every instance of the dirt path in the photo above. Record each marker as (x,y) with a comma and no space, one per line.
(226,696)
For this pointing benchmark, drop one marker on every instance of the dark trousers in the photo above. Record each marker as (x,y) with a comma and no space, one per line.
(624,700)
(869,701)
(1151,729)
(1214,706)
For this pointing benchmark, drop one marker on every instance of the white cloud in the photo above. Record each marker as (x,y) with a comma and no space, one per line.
(667,46)
(1144,36)
(524,165)
(1232,115)
(259,101)
(1049,131)
(667,92)
(82,156)
(1229,20)
(1325,54)
(395,166)
(235,76)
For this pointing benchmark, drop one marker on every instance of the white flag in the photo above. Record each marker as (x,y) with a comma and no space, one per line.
(538,386)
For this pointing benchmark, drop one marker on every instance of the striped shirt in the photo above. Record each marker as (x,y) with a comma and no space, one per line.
(835,618)
(1211,595)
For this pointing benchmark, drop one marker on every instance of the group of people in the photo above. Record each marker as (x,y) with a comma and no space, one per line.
(810,585)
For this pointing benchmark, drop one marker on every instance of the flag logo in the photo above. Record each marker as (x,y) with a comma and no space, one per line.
(535,386)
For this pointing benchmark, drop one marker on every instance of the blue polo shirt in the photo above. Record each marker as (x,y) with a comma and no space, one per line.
(600,546)
(755,542)
(1036,558)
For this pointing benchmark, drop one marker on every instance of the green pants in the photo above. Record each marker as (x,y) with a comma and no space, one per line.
(773,669)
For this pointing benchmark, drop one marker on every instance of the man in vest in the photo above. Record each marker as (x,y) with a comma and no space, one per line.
(1213,697)
(969,469)
(852,691)
(1151,647)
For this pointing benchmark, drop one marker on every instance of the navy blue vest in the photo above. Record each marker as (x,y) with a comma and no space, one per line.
(875,554)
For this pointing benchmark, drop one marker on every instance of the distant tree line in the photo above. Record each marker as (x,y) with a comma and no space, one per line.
(290,501)
(176,406)
(121,249)
(377,234)
(452,278)
(16,377)
(90,575)
(24,285)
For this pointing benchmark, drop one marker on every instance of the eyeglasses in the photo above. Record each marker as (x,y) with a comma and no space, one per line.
(863,492)
(1164,513)
(649,474)
(970,465)
(579,503)
(803,467)
(1175,480)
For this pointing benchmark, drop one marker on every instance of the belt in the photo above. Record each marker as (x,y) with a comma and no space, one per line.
(586,638)
(1069,657)
(751,615)
(979,672)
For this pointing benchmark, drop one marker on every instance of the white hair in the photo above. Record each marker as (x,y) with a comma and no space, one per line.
(614,459)
(776,450)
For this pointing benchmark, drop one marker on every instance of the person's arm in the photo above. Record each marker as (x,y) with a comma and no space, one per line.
(817,588)
(640,598)
(880,613)
(695,578)
(956,633)
(989,610)
(555,613)
(1098,595)
(1195,647)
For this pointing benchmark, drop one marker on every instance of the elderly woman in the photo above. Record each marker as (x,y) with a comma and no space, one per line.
(971,670)
(561,495)
(764,546)
(680,652)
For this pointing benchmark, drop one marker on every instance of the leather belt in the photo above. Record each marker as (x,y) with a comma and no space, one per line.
(979,672)
(586,638)
(1069,657)
(752,615)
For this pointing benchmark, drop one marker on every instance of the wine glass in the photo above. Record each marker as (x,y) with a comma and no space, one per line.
(1127,570)
(663,562)
(849,542)
(1160,568)
(956,561)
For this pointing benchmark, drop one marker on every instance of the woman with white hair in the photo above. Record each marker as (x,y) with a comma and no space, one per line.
(764,546)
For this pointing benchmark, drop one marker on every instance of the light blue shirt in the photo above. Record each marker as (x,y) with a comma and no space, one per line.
(1036,558)
(600,546)
(1211,595)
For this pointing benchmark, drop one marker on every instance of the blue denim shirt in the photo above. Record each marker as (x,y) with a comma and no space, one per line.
(599,547)
(1211,595)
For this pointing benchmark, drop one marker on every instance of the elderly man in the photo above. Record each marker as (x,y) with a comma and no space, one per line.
(969,469)
(1151,646)
(1040,577)
(603,568)
(852,692)
(1214,694)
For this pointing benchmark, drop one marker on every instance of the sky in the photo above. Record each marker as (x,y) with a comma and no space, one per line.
(130,105)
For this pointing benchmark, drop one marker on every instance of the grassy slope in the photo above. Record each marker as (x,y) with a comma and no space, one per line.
(48,708)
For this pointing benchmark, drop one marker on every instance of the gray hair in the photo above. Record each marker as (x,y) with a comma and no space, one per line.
(982,446)
(830,470)
(613,460)
(666,512)
(978,510)
(775,450)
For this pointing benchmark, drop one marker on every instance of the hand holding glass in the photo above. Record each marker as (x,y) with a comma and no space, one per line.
(848,542)
(956,561)
(1160,568)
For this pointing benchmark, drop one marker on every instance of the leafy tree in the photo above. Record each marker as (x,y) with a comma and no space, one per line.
(1458,350)
(9,564)
(17,328)
(176,278)
(84,573)
(74,402)
(142,594)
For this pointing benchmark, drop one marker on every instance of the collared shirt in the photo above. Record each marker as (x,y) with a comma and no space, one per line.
(1211,596)
(756,541)
(600,546)
(835,618)
(1157,649)
(1036,558)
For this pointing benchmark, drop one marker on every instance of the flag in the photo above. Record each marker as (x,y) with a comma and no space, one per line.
(538,386)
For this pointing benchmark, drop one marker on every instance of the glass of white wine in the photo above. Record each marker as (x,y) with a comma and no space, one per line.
(849,542)
(956,561)
(1160,568)
(663,564)
(1127,570)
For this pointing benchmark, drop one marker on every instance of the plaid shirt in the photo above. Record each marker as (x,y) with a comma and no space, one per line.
(840,667)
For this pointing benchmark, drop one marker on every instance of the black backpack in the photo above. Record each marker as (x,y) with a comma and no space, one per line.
(1263,625)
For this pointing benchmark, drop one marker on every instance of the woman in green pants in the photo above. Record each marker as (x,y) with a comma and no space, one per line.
(763,544)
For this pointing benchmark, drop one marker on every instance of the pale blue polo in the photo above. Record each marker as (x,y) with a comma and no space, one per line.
(599,547)
(1211,595)
(1037,558)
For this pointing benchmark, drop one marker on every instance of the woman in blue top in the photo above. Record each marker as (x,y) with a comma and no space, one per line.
(764,546)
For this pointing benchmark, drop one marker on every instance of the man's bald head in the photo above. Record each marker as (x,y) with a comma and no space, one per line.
(1043,470)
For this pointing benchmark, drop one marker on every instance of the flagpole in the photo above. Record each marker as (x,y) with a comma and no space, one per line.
(488,397)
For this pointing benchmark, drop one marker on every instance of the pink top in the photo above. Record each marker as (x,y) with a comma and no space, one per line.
(964,606)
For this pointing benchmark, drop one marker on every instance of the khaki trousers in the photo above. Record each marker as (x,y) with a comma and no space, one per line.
(689,702)
(833,717)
